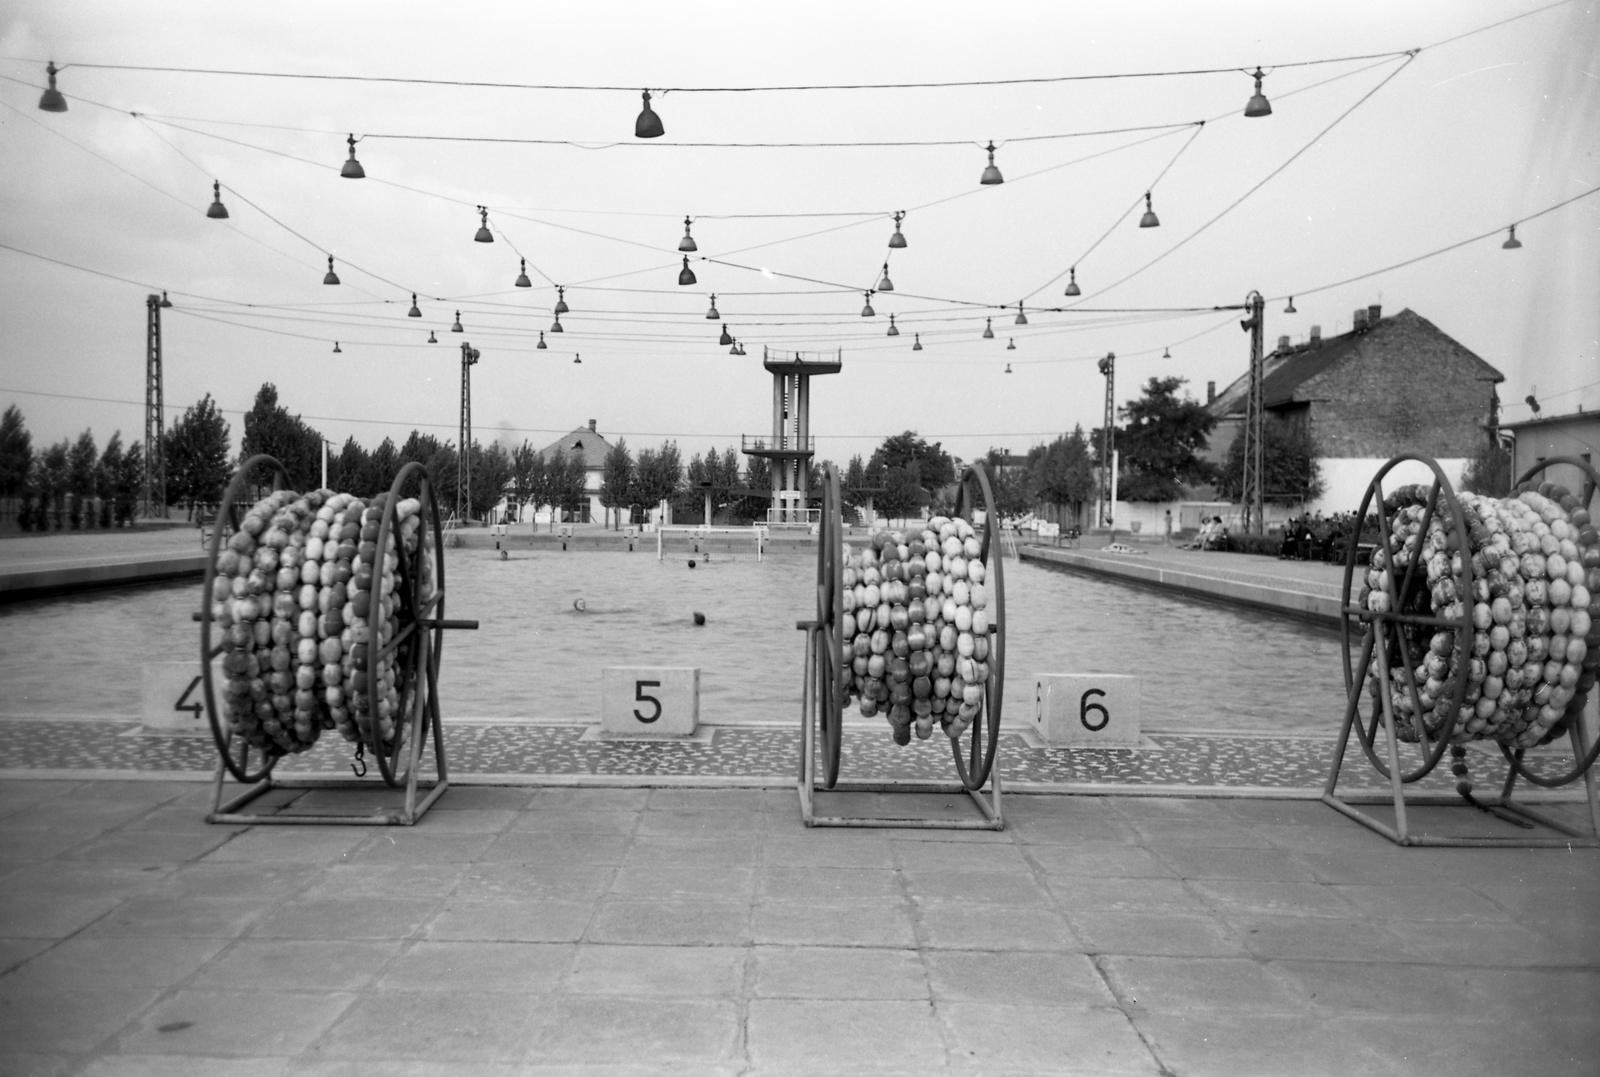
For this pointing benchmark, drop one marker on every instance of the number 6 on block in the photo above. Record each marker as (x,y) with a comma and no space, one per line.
(661,700)
(1087,710)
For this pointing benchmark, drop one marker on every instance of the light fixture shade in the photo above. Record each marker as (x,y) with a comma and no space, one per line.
(1259,105)
(456,328)
(991,174)
(415,311)
(712,315)
(431,338)
(894,330)
(1008,368)
(685,275)
(352,168)
(165,302)
(867,311)
(916,343)
(1072,283)
(52,100)
(330,277)
(1022,319)
(687,242)
(897,241)
(336,347)
(726,338)
(561,299)
(483,235)
(988,329)
(576,358)
(648,125)
(542,346)
(1512,242)
(1011,346)
(217,211)
(522,278)
(1290,308)
(1166,353)
(885,284)
(1149,220)
(556,326)
(735,349)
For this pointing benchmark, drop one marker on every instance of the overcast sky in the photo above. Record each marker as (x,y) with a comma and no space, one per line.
(1463,139)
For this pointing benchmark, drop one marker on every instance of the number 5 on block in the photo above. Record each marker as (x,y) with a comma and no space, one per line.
(650,699)
(1087,710)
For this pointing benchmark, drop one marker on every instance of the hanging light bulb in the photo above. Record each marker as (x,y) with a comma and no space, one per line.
(991,174)
(734,350)
(867,311)
(1022,319)
(483,235)
(336,348)
(415,311)
(165,302)
(431,338)
(916,342)
(522,280)
(1512,242)
(576,358)
(1008,368)
(1072,283)
(352,168)
(712,315)
(330,277)
(897,241)
(216,211)
(648,125)
(886,285)
(893,330)
(456,328)
(556,327)
(1259,105)
(988,329)
(542,346)
(1290,308)
(1149,220)
(52,100)
(687,242)
(726,338)
(561,299)
(1011,346)
(685,275)
(1166,353)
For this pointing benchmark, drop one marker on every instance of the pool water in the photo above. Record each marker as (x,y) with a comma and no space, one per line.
(536,657)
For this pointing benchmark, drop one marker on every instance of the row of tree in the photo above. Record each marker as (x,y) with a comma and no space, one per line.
(72,484)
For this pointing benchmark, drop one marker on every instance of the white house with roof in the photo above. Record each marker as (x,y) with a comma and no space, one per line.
(588,441)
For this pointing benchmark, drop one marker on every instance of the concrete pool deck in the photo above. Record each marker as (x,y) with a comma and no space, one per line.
(634,931)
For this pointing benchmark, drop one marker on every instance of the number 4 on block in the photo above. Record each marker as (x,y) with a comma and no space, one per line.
(1087,710)
(663,700)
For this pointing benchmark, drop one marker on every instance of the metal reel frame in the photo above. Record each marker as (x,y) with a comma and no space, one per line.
(1384,639)
(823,695)
(419,640)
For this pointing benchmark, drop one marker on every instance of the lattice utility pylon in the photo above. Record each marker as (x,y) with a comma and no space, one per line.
(469,357)
(1251,493)
(153,489)
(1108,367)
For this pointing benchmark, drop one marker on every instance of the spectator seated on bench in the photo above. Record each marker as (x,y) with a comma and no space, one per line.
(1210,535)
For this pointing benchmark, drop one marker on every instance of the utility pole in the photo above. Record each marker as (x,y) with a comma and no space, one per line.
(469,357)
(1108,367)
(153,492)
(1254,419)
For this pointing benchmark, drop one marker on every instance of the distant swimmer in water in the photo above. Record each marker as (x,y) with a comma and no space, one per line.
(691,562)
(580,605)
(699,618)
(505,555)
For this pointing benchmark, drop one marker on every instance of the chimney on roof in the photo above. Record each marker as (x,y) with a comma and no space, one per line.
(1283,343)
(1211,391)
(591,425)
(1358,320)
(1374,312)
(1316,336)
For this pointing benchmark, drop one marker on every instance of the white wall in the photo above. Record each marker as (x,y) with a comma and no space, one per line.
(1347,479)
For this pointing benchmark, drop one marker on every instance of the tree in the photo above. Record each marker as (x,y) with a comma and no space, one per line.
(1009,484)
(491,474)
(660,475)
(127,485)
(81,461)
(197,456)
(383,464)
(1161,443)
(1289,464)
(616,479)
(568,482)
(107,474)
(347,466)
(904,492)
(757,480)
(1062,473)
(1488,472)
(270,429)
(16,453)
(527,475)
(934,466)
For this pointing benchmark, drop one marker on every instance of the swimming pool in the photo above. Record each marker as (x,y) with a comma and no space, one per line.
(536,658)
